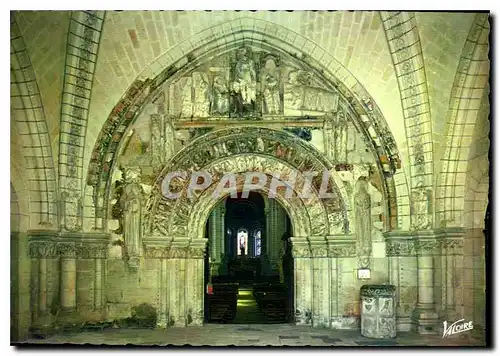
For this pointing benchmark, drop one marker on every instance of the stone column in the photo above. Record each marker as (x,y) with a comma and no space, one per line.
(100,254)
(400,251)
(321,280)
(452,247)
(217,234)
(42,252)
(302,280)
(42,286)
(98,262)
(195,283)
(341,248)
(425,318)
(162,321)
(68,277)
(165,285)
(275,227)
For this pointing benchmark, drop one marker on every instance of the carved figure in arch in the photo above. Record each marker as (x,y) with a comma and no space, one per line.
(132,203)
(245,83)
(220,96)
(201,88)
(271,95)
(363,223)
(420,208)
(294,92)
(187,98)
(157,140)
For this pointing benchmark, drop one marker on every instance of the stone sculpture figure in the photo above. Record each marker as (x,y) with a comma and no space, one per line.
(219,98)
(244,86)
(201,102)
(156,140)
(187,98)
(245,77)
(132,201)
(271,95)
(363,224)
(340,137)
(419,208)
(294,93)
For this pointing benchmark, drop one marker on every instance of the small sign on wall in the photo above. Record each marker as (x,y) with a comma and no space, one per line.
(364,273)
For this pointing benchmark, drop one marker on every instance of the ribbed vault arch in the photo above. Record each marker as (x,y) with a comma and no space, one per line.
(404,44)
(81,57)
(469,99)
(28,115)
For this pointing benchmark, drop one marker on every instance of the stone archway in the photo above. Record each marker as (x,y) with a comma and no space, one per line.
(174,229)
(247,150)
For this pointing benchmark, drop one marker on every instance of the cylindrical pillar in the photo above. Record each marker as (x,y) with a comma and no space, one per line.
(425,277)
(42,285)
(98,284)
(68,283)
(425,316)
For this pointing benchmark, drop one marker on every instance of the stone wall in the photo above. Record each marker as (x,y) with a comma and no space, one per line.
(20,306)
(126,288)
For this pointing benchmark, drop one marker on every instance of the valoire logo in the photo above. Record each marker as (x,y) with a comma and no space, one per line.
(456,328)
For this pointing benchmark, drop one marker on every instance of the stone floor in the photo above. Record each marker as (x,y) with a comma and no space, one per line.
(254,335)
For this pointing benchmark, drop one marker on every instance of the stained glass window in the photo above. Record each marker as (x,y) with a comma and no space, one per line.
(258,242)
(242,242)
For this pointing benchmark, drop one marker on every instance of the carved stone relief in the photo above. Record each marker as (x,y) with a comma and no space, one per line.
(244,86)
(240,144)
(420,201)
(363,228)
(57,249)
(132,201)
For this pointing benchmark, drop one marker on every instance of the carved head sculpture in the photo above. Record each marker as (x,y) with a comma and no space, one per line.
(293,77)
(220,82)
(243,53)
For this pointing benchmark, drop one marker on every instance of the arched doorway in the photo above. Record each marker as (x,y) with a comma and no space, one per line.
(248,266)
(180,223)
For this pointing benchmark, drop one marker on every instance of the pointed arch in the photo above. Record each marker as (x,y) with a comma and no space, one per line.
(406,51)
(469,100)
(28,116)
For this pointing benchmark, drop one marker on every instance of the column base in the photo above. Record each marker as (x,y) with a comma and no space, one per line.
(403,323)
(162,321)
(403,320)
(425,321)
(345,323)
(178,322)
(320,322)
(196,322)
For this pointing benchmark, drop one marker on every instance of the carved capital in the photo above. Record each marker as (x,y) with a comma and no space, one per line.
(452,246)
(66,250)
(319,251)
(157,251)
(426,247)
(40,249)
(91,250)
(301,251)
(400,248)
(178,252)
(196,252)
(342,250)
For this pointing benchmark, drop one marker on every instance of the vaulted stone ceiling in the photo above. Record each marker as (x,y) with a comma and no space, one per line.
(131,41)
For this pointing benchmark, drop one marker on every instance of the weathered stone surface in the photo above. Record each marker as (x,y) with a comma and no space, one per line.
(378,314)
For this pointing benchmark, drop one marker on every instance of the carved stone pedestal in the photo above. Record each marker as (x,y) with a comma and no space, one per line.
(378,314)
